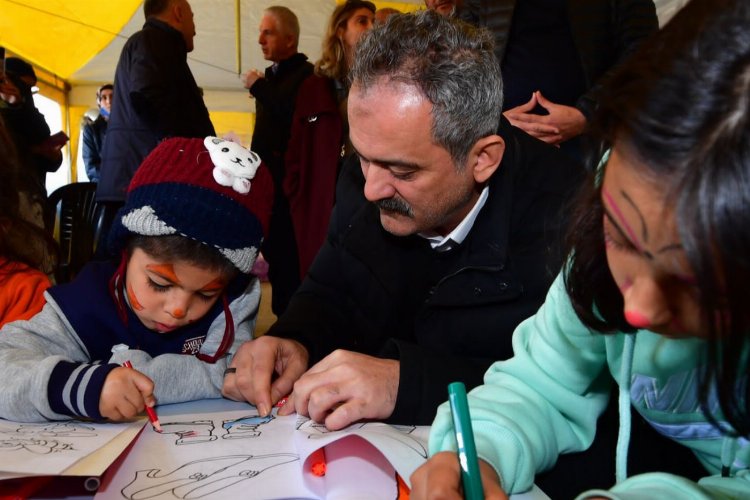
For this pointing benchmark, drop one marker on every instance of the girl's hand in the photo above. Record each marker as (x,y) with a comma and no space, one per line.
(125,394)
(440,478)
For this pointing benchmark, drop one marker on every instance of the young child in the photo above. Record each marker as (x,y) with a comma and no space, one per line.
(656,289)
(25,248)
(177,305)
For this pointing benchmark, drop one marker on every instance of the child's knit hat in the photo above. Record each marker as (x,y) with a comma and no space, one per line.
(212,191)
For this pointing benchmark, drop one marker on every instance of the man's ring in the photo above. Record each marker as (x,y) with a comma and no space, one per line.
(230,370)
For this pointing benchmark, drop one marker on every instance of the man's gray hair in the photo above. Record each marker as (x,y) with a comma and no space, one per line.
(451,62)
(288,22)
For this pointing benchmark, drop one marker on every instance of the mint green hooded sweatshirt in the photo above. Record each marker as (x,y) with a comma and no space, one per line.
(546,399)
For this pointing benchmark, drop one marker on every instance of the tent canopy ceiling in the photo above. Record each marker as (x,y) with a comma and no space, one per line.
(79,41)
(75,45)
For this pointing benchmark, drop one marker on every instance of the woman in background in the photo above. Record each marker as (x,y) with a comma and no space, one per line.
(319,135)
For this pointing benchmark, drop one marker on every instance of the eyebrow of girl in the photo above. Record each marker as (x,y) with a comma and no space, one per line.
(644,227)
(628,230)
(165,271)
(664,249)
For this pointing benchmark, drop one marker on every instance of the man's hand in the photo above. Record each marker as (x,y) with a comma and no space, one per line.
(562,122)
(125,394)
(346,387)
(250,77)
(440,478)
(255,363)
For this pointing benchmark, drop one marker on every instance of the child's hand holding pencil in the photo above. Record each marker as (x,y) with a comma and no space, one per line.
(126,394)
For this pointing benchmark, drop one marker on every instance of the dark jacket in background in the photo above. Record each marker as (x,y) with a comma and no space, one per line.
(604,32)
(446,316)
(156,98)
(28,129)
(275,99)
(93,140)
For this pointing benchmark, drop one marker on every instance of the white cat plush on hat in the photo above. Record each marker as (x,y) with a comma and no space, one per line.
(234,165)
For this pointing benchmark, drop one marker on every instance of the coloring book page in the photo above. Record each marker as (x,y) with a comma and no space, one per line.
(52,447)
(235,453)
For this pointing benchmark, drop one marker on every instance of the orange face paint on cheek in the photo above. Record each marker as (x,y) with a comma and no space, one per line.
(165,270)
(133,299)
(178,313)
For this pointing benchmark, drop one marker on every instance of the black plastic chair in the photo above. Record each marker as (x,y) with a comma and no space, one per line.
(75,222)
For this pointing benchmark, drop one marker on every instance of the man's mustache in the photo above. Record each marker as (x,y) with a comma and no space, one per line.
(396,205)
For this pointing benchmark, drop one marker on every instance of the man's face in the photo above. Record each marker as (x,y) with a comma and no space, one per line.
(275,43)
(412,180)
(105,100)
(443,7)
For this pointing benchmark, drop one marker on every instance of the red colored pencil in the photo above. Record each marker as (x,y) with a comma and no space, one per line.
(149,411)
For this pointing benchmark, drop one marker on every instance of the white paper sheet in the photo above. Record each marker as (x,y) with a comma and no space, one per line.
(28,449)
(237,454)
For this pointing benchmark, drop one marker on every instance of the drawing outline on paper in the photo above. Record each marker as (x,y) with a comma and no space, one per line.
(202,477)
(58,429)
(244,427)
(190,432)
(35,446)
(202,431)
(43,439)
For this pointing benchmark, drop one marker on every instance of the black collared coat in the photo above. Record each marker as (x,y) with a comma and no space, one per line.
(445,316)
(156,97)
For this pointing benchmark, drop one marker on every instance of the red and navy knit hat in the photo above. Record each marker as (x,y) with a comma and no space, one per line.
(212,191)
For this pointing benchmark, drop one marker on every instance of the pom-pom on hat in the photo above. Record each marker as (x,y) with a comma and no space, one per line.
(212,191)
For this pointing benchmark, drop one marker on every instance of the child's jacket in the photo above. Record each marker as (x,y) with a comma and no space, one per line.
(54,365)
(546,399)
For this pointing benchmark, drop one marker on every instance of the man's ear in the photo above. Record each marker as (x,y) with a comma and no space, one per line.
(485,157)
(178,11)
(291,42)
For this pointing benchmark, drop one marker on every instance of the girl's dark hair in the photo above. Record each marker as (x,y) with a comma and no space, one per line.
(175,247)
(681,106)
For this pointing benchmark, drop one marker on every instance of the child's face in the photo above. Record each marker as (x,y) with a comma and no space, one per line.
(168,295)
(645,254)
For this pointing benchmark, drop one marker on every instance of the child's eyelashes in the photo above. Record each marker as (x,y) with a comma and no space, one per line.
(204,297)
(611,242)
(156,286)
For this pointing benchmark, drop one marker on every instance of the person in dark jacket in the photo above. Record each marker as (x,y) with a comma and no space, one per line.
(444,237)
(156,98)
(555,55)
(94,132)
(275,93)
(28,129)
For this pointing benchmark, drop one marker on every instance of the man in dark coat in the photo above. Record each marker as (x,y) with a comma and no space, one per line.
(94,132)
(275,93)
(156,97)
(445,235)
